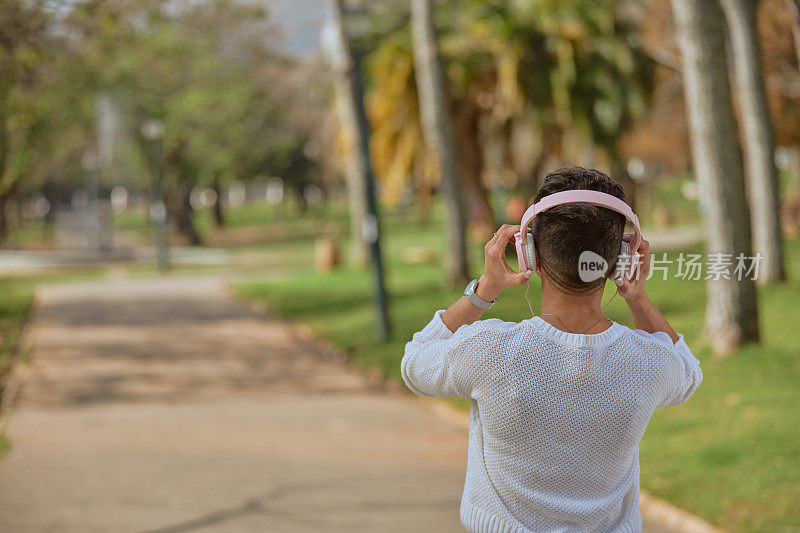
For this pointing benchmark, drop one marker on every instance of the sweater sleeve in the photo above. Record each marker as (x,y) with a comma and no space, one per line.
(683,371)
(439,363)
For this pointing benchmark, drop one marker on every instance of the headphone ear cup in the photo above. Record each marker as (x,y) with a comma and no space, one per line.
(530,252)
(623,262)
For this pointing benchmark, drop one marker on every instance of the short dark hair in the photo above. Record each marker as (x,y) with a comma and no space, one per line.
(563,232)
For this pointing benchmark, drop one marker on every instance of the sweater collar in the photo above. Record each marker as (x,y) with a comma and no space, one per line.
(603,338)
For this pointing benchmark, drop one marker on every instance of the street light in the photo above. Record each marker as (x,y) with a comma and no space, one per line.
(153,132)
(346,66)
(91,193)
(370,227)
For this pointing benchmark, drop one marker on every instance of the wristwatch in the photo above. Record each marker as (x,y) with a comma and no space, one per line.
(476,300)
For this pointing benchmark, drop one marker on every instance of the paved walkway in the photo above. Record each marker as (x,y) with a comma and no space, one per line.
(167,406)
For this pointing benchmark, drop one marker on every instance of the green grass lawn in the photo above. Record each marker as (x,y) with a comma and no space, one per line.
(4,446)
(17,297)
(14,307)
(731,454)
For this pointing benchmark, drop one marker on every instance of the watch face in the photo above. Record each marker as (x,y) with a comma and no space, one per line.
(469,292)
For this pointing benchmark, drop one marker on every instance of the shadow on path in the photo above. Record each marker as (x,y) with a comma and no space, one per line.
(165,405)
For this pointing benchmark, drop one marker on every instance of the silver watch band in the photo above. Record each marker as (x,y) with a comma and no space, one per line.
(476,300)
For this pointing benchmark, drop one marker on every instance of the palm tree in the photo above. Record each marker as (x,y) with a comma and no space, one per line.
(344,80)
(731,312)
(398,149)
(397,145)
(758,137)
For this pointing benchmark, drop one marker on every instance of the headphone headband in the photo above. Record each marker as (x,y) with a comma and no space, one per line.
(582,196)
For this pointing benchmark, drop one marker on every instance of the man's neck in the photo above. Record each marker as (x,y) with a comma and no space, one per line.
(573,312)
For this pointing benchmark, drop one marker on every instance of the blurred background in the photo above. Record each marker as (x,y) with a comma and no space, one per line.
(168,166)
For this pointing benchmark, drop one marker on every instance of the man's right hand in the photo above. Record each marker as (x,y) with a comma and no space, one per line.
(644,313)
(634,289)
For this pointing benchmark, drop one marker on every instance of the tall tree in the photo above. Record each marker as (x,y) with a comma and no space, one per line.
(438,133)
(344,66)
(758,137)
(22,35)
(217,80)
(731,312)
(794,9)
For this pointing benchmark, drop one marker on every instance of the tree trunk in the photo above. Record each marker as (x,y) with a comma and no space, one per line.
(794,8)
(759,139)
(794,165)
(355,183)
(344,83)
(219,217)
(619,171)
(3,219)
(438,134)
(472,164)
(5,85)
(551,135)
(182,213)
(8,194)
(731,312)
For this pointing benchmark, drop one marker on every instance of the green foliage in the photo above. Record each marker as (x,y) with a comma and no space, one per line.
(566,70)
(232,107)
(730,454)
(207,71)
(579,64)
(24,60)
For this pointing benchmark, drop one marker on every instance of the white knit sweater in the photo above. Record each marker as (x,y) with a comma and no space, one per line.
(556,417)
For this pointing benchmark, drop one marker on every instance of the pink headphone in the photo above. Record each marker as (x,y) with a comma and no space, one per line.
(526,250)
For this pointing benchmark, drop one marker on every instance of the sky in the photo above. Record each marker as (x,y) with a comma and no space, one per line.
(300,22)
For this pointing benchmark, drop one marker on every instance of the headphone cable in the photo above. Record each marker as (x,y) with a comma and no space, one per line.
(527,288)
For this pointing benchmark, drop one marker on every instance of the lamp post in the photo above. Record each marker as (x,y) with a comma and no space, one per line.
(346,67)
(370,226)
(91,193)
(153,132)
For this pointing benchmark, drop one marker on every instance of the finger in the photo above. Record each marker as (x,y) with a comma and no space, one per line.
(522,277)
(644,270)
(491,241)
(489,244)
(504,234)
(509,231)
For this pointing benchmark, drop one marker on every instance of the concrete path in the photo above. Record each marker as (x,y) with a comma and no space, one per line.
(167,406)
